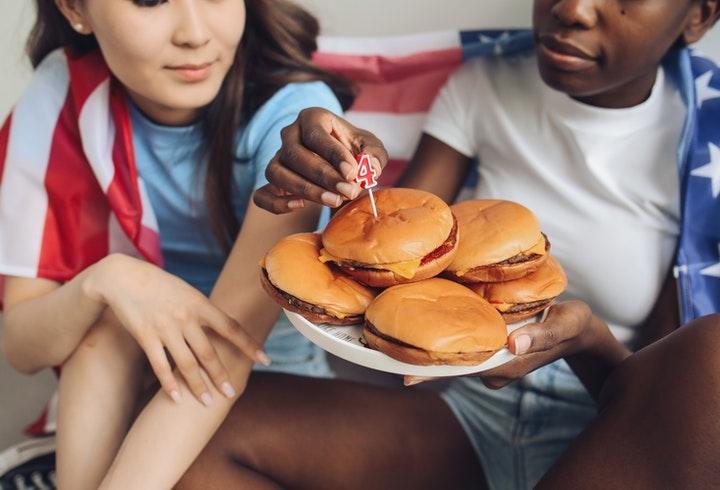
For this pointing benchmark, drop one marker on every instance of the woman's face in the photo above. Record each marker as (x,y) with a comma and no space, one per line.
(171,55)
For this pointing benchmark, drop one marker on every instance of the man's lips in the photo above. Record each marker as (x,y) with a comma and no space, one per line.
(565,55)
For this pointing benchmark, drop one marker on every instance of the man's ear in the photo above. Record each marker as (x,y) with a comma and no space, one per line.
(72,12)
(702,18)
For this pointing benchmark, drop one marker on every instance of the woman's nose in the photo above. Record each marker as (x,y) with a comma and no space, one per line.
(190,30)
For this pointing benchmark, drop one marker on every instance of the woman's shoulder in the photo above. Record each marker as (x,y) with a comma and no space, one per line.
(281,109)
(296,96)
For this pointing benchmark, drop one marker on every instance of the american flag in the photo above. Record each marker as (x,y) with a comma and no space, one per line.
(69,190)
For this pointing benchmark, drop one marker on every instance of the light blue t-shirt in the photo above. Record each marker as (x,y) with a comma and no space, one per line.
(168,164)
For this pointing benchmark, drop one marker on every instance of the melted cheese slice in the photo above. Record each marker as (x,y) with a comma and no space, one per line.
(406,269)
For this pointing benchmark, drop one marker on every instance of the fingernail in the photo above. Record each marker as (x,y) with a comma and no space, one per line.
(522,344)
(349,190)
(206,399)
(228,390)
(412,381)
(175,395)
(296,204)
(263,358)
(330,199)
(347,170)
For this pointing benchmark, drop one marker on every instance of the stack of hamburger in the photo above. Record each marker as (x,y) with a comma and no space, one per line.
(385,273)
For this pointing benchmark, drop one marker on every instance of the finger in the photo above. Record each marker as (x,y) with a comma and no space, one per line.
(559,326)
(414,380)
(209,359)
(324,133)
(372,145)
(315,169)
(496,382)
(284,178)
(235,334)
(269,199)
(189,368)
(160,365)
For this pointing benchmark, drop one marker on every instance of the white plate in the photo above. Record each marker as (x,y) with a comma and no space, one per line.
(344,342)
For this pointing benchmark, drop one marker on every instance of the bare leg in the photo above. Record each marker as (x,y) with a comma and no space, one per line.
(98,391)
(293,432)
(658,426)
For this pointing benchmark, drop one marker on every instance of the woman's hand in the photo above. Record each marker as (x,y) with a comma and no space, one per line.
(317,162)
(570,328)
(163,312)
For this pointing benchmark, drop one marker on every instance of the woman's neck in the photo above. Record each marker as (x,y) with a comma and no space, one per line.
(628,94)
(163,115)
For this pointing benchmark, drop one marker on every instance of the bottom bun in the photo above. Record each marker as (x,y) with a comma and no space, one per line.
(414,355)
(525,313)
(312,313)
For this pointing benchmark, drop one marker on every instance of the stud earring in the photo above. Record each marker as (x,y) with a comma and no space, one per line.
(78,27)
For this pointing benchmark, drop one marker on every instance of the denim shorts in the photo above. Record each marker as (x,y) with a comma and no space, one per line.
(292,353)
(519,431)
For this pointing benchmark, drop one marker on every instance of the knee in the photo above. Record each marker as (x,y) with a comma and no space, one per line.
(686,358)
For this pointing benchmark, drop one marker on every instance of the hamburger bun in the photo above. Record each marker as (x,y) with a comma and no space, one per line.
(501,241)
(296,279)
(525,297)
(415,237)
(435,321)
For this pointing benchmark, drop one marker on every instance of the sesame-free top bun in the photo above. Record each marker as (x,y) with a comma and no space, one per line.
(293,276)
(522,298)
(501,241)
(435,321)
(414,237)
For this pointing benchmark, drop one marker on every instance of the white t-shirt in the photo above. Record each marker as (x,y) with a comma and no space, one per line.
(602,182)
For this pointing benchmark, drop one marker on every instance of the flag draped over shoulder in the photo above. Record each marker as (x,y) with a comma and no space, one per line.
(69,191)
(398,78)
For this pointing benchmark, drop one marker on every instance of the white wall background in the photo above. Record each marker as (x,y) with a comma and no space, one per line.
(338,17)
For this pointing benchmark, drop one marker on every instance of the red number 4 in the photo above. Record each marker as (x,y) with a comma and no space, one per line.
(366,176)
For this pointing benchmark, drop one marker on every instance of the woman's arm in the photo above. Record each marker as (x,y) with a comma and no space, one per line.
(166,438)
(436,167)
(45,322)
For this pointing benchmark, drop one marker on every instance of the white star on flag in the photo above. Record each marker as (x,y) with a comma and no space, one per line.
(711,170)
(713,270)
(703,90)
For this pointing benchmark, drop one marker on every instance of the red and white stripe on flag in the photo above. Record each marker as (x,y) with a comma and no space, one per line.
(398,78)
(69,192)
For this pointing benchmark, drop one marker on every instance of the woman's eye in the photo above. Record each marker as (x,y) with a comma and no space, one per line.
(148,3)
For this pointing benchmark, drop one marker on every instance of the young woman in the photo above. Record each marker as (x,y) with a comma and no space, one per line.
(584,130)
(194,94)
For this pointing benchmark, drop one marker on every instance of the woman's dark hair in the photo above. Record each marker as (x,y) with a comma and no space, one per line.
(275,50)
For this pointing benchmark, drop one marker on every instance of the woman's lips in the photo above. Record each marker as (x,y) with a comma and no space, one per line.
(192,73)
(565,56)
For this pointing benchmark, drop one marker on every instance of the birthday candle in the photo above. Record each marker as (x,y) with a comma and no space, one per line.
(367,178)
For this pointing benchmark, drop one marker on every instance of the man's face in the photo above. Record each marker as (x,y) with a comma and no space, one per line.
(606,52)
